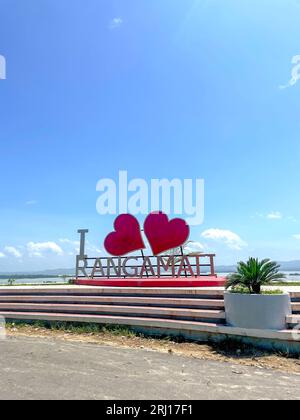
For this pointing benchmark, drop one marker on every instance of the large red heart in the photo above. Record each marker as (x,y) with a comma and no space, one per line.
(126,238)
(163,234)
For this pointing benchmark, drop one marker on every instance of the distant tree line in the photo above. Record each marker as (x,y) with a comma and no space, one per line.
(30,276)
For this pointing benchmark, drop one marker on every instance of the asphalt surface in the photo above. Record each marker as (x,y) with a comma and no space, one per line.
(34,368)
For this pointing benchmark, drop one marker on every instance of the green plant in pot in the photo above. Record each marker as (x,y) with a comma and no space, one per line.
(247,305)
(253,274)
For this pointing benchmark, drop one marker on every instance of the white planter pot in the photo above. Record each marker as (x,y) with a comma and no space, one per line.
(265,312)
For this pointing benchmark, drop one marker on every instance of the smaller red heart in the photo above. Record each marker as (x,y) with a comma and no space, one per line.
(163,234)
(126,238)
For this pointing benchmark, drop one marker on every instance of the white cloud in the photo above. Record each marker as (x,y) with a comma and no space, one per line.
(194,247)
(37,249)
(13,251)
(70,246)
(93,249)
(297,237)
(274,215)
(295,73)
(2,255)
(231,239)
(69,242)
(115,23)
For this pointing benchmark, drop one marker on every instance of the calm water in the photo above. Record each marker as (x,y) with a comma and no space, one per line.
(290,276)
(37,281)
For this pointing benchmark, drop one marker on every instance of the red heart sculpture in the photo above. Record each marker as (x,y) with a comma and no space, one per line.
(126,238)
(163,234)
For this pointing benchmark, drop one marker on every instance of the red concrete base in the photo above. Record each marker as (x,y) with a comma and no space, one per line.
(159,282)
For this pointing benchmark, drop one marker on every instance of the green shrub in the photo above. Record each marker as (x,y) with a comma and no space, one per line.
(11,282)
(245,291)
(252,275)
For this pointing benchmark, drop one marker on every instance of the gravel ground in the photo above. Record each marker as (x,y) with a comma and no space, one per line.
(53,368)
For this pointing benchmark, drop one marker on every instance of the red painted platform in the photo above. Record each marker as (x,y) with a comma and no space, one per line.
(159,282)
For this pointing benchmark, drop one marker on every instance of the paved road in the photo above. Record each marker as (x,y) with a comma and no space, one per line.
(32,368)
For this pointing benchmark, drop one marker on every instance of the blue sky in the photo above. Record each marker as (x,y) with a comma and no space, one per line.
(172,88)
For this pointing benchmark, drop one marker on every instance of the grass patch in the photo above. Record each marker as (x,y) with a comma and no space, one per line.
(35,284)
(234,348)
(228,349)
(272,292)
(245,291)
(76,328)
(286,283)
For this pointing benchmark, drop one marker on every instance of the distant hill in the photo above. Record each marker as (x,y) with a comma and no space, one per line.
(225,268)
(59,272)
(290,266)
(285,266)
(54,272)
